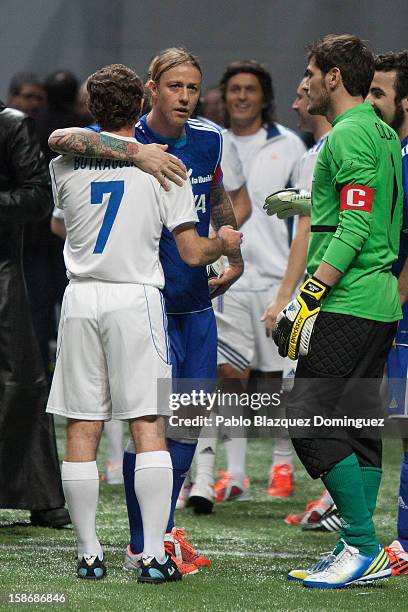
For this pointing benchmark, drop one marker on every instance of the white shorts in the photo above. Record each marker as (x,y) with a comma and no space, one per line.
(113,355)
(242,341)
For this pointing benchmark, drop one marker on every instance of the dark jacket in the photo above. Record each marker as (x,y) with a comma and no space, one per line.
(29,471)
(25,193)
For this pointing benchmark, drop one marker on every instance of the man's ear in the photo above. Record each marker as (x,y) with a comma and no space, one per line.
(404,104)
(333,78)
(152,86)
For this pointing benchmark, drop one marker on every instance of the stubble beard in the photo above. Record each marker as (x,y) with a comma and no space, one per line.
(398,117)
(321,106)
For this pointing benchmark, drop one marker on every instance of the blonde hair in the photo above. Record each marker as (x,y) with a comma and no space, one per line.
(168,59)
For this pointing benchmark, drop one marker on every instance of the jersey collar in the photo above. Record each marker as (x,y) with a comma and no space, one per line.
(359,109)
(272,131)
(177,143)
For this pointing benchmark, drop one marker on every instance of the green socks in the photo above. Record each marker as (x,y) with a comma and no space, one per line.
(347,486)
(371,482)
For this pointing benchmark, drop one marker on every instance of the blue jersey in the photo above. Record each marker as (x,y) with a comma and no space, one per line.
(186,288)
(402,333)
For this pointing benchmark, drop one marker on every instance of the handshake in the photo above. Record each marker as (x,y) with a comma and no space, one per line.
(287,203)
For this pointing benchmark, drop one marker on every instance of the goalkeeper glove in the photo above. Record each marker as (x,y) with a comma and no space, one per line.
(287,203)
(295,323)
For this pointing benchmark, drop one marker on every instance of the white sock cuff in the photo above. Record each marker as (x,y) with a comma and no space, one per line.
(153,459)
(83,470)
(130,447)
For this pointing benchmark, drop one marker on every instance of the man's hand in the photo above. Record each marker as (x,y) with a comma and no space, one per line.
(230,238)
(271,313)
(295,323)
(230,275)
(287,203)
(153,159)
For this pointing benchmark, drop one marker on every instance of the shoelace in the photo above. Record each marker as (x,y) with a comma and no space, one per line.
(342,558)
(393,552)
(178,535)
(322,564)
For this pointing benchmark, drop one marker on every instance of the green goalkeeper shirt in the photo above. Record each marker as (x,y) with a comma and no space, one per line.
(356,214)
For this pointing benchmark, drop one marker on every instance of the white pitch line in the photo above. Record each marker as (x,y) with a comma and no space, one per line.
(208,551)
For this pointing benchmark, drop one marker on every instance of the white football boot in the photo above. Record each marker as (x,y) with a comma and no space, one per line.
(351,567)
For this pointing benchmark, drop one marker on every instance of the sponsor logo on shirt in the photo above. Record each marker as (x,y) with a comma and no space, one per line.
(201,179)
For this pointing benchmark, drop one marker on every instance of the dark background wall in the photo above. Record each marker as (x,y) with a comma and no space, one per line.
(83,35)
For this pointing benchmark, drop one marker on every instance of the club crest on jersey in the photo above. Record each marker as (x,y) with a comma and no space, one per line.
(356,197)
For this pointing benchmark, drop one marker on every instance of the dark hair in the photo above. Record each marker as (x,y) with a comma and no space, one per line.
(265,80)
(23,78)
(62,90)
(115,96)
(399,62)
(348,53)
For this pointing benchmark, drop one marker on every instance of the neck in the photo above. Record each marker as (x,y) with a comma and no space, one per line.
(160,125)
(321,128)
(341,105)
(128,132)
(247,129)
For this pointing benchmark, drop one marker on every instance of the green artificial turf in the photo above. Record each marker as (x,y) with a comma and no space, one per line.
(250,546)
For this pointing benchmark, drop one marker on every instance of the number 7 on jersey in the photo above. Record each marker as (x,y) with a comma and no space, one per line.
(116,190)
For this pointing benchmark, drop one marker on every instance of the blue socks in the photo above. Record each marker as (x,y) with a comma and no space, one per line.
(403,504)
(133,510)
(181,454)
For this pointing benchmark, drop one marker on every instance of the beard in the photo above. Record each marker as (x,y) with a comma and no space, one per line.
(321,104)
(398,116)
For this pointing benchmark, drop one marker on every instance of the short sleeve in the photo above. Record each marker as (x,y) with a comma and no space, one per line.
(54,185)
(231,166)
(177,206)
(58,213)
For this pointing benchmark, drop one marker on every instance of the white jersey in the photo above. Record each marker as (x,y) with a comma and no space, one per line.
(305,170)
(307,164)
(231,164)
(269,158)
(114,215)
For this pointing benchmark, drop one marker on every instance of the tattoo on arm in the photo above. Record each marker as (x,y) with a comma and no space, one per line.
(222,212)
(91,144)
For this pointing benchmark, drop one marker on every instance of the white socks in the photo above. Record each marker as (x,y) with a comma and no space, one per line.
(114,432)
(80,482)
(153,487)
(205,459)
(235,450)
(283,451)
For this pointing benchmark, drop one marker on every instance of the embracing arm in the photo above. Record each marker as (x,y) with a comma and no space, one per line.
(151,158)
